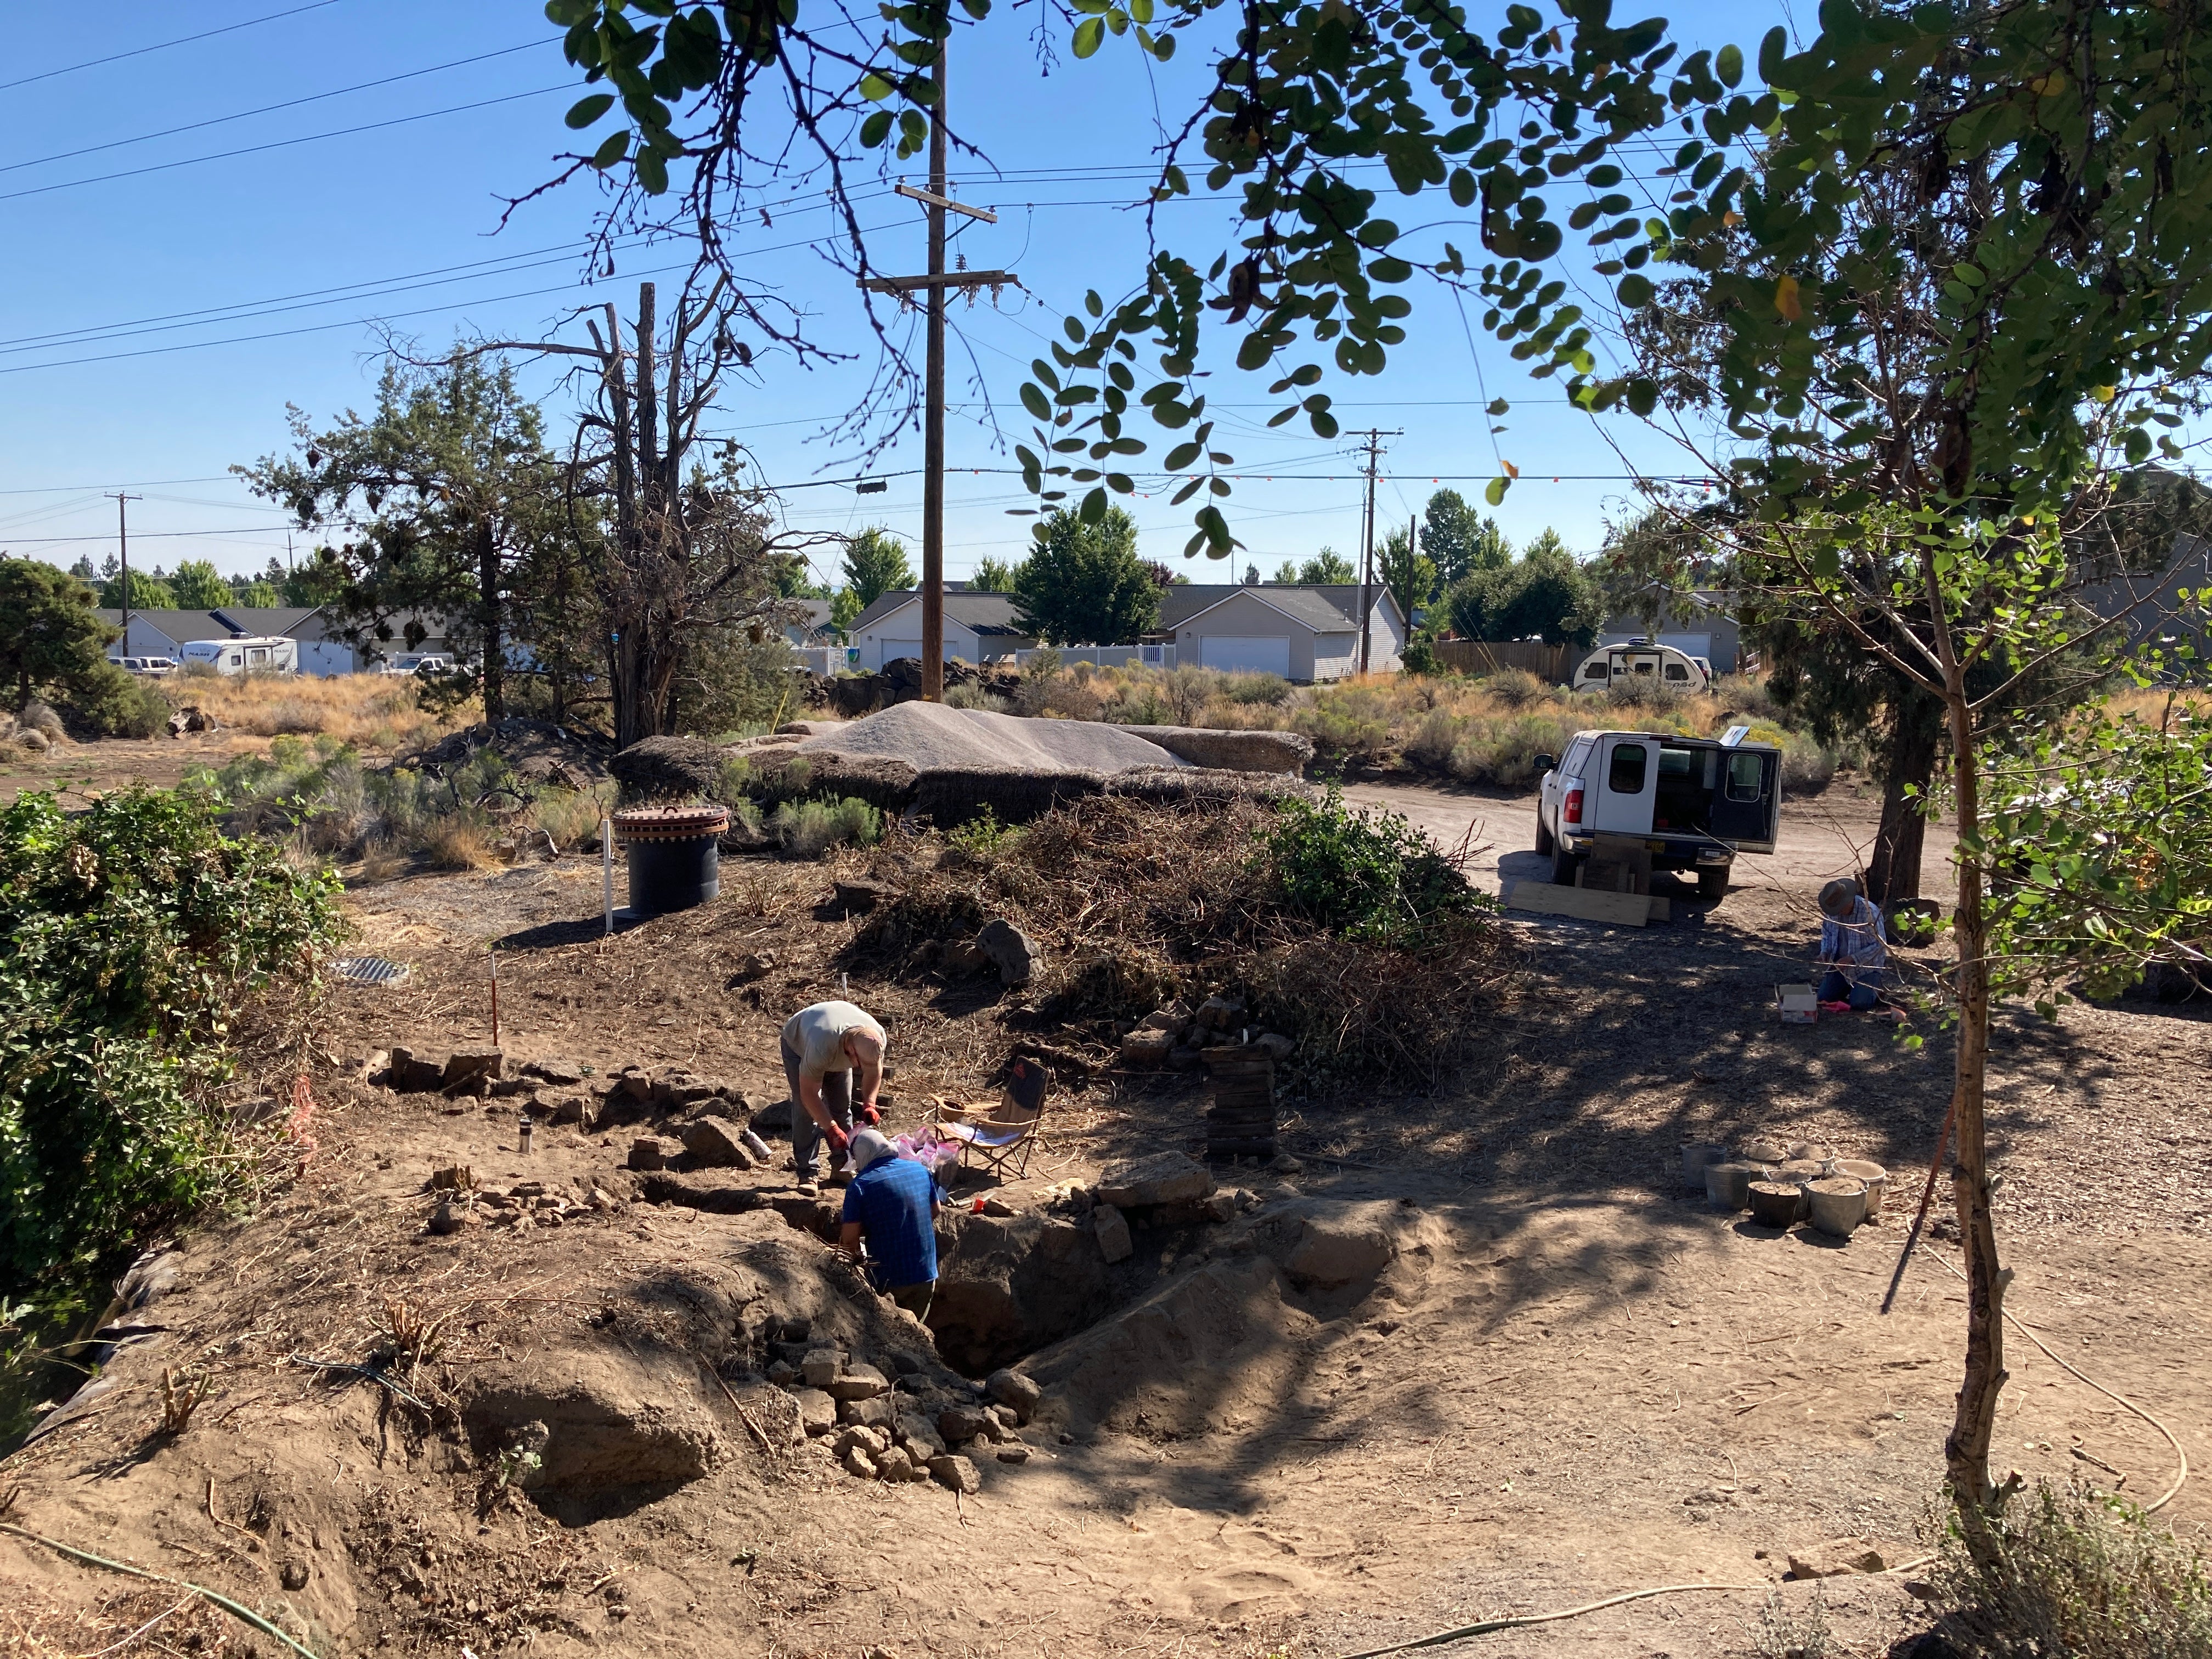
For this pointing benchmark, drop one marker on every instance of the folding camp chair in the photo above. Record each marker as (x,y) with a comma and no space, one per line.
(1001,1139)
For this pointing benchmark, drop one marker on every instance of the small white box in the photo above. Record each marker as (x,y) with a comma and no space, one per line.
(1796,1004)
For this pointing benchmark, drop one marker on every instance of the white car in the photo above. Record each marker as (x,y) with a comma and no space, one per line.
(1694,803)
(427,662)
(155,666)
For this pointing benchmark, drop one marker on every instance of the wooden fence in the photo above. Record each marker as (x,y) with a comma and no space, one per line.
(1548,663)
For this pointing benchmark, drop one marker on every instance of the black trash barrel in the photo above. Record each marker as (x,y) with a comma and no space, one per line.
(675,855)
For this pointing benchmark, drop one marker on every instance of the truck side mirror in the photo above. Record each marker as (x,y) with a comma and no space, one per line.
(1546,763)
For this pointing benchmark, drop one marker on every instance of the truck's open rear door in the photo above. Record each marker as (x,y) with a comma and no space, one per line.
(1747,799)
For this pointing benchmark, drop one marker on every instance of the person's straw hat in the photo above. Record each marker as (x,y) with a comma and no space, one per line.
(1838,897)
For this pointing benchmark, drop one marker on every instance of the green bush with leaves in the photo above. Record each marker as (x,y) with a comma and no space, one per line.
(129,935)
(119,705)
(1369,875)
(808,829)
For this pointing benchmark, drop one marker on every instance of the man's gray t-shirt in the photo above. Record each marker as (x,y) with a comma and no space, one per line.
(817,1036)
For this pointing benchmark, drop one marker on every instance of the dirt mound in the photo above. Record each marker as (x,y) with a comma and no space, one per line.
(668,768)
(1230,751)
(928,736)
(538,750)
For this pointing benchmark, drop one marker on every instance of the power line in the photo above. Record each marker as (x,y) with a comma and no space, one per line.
(278,144)
(181,40)
(269,109)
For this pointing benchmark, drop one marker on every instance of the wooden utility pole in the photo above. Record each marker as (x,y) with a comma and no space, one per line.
(938,201)
(1374,436)
(123,555)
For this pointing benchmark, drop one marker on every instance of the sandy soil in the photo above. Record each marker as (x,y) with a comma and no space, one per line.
(1593,1383)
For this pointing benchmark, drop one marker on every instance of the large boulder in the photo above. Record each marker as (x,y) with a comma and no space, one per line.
(593,1420)
(1008,1285)
(1163,1178)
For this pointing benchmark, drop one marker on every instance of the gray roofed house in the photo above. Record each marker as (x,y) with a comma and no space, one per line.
(813,627)
(1303,634)
(977,627)
(164,633)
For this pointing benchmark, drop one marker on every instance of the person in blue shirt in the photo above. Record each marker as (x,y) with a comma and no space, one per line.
(1852,946)
(891,1204)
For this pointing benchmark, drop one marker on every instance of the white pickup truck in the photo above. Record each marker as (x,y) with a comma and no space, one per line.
(1694,802)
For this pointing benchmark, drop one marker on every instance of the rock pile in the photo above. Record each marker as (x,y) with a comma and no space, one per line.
(1179,1035)
(459,1204)
(560,1091)
(881,1429)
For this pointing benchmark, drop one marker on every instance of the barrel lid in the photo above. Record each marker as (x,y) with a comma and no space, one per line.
(670,823)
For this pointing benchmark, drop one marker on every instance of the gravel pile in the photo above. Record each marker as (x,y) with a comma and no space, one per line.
(929,736)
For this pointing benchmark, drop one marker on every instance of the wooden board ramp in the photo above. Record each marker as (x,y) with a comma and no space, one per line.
(1587,904)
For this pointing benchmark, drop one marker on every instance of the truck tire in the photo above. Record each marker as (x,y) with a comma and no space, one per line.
(1564,866)
(1712,883)
(1543,833)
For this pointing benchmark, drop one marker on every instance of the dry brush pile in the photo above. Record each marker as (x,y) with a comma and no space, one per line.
(1345,929)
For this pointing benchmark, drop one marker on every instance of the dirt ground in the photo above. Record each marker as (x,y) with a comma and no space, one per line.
(1592,1382)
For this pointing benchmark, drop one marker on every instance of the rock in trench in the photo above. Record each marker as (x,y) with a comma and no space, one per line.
(1163,1178)
(957,1472)
(717,1144)
(1112,1228)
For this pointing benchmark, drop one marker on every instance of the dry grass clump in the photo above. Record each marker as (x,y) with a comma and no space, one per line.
(457,843)
(1137,903)
(371,711)
(1484,731)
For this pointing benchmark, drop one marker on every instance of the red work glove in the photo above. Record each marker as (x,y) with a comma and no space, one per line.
(838,1139)
(873,1115)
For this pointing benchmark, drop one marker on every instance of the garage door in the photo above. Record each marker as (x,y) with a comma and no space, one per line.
(1264,653)
(894,649)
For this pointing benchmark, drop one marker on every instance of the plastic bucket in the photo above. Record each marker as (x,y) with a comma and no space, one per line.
(1697,1157)
(1876,1179)
(1776,1203)
(1837,1205)
(1727,1184)
(674,854)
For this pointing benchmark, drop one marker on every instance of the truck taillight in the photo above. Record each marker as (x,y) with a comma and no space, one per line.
(1572,812)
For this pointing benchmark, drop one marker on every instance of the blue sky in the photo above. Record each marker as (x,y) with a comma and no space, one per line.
(154,325)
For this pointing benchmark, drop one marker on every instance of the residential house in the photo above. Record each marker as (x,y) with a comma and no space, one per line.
(1305,634)
(164,634)
(978,627)
(2147,610)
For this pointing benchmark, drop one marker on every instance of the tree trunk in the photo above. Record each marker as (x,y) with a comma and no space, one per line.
(1967,1452)
(494,643)
(1894,869)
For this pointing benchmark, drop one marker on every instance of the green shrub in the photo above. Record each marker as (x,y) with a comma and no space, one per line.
(1367,874)
(1439,733)
(119,705)
(1270,690)
(982,836)
(1419,656)
(808,829)
(975,696)
(2074,1572)
(130,932)
(1348,723)
(571,817)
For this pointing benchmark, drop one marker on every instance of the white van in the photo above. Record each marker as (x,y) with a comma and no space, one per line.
(245,654)
(1645,662)
(1694,802)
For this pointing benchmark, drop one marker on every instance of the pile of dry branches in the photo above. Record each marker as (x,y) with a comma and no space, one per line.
(1135,904)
